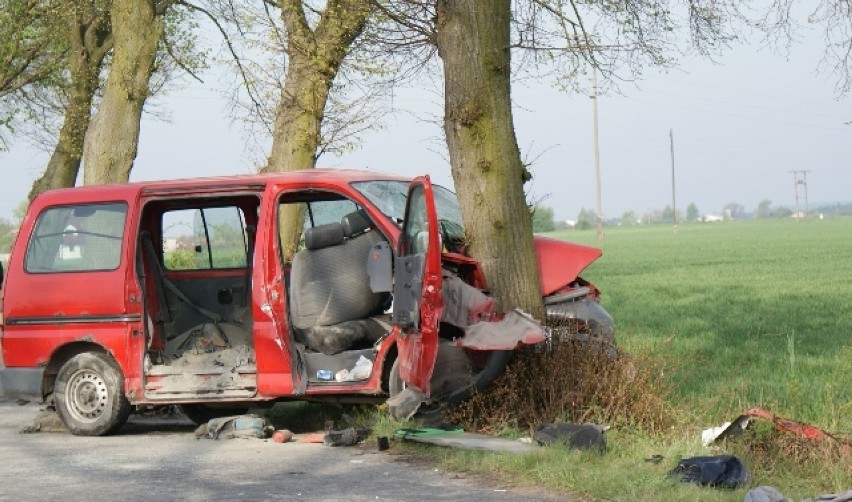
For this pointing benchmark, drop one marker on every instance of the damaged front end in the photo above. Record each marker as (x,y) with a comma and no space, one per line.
(572,309)
(576,315)
(450,340)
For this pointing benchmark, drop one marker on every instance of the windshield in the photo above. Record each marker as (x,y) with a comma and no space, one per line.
(389,196)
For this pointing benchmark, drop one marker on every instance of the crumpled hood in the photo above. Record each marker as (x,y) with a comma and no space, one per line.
(560,262)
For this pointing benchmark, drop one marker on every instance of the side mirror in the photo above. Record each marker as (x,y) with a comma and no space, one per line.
(380,268)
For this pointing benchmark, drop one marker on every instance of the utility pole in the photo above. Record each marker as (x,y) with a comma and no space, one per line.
(800,177)
(598,210)
(674,202)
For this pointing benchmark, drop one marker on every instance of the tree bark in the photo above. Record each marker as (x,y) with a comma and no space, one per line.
(473,43)
(89,40)
(314,58)
(113,136)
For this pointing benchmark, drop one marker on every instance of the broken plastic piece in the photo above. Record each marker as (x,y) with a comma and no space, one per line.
(709,436)
(405,404)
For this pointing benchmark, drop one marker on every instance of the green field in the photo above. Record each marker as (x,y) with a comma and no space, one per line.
(742,314)
(756,313)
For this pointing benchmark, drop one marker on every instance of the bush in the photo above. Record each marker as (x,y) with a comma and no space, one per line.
(575,382)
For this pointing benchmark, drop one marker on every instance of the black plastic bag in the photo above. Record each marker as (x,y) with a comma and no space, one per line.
(722,471)
(583,437)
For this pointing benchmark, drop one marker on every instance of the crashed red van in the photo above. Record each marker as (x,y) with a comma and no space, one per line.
(186,292)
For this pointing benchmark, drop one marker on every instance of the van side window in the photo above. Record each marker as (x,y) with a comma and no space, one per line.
(77,239)
(204,238)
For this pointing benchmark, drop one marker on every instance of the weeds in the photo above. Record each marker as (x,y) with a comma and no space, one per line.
(575,382)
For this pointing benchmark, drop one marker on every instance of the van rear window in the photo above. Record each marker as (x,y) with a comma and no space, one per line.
(80,238)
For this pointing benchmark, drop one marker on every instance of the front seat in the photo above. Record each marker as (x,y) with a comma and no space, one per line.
(330,296)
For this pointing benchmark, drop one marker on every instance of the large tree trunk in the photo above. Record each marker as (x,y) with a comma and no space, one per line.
(113,136)
(89,39)
(314,58)
(473,43)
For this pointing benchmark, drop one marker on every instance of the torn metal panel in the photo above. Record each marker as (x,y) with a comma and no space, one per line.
(464,304)
(516,328)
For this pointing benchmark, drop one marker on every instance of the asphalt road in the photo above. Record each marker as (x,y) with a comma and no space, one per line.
(160,459)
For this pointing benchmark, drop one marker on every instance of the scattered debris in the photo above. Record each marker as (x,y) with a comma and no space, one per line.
(316,437)
(46,421)
(586,436)
(801,429)
(457,438)
(362,370)
(345,437)
(382,443)
(282,436)
(833,497)
(238,426)
(655,459)
(722,471)
(765,494)
(404,405)
(709,436)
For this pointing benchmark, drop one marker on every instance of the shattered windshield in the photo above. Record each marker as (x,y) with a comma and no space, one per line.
(389,196)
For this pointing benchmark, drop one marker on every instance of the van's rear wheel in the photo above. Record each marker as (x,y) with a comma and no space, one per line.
(89,395)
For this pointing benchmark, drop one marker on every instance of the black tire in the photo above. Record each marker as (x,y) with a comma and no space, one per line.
(201,413)
(89,395)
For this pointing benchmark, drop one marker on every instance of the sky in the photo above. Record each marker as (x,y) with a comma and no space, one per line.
(740,125)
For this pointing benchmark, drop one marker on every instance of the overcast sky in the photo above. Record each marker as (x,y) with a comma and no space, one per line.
(740,126)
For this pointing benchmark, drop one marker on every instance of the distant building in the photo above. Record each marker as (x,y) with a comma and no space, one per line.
(710,218)
(70,248)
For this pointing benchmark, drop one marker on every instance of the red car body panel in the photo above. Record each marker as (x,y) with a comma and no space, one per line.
(560,262)
(46,315)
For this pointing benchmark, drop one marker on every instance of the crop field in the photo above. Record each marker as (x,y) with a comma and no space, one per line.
(751,313)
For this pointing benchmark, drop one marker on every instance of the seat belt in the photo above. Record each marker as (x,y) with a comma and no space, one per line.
(149,249)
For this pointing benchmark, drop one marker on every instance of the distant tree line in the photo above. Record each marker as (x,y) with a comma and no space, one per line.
(544,220)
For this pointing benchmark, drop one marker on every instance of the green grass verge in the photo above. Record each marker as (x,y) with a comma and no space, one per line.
(751,314)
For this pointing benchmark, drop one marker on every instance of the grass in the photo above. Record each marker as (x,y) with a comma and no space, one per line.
(760,311)
(750,314)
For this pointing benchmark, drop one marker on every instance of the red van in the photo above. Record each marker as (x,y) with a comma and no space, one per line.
(187,292)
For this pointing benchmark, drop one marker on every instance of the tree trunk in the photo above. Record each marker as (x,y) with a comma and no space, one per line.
(473,43)
(113,136)
(90,41)
(314,58)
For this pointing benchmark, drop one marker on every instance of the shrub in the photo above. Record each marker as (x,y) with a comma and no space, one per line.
(572,381)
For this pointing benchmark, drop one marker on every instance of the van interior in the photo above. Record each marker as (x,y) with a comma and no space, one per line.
(194,260)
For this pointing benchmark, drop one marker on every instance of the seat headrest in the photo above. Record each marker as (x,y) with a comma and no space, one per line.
(324,236)
(355,223)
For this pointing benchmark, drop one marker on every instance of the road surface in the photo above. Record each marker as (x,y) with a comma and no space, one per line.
(160,459)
